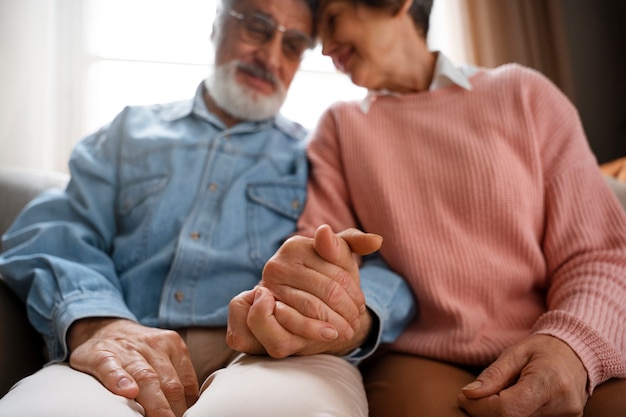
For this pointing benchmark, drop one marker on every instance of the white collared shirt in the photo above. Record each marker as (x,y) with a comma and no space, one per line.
(445,74)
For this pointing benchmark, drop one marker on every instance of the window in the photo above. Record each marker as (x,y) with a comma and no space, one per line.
(72,65)
(147,51)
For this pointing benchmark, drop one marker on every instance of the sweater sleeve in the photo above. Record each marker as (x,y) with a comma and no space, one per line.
(584,240)
(328,200)
(388,296)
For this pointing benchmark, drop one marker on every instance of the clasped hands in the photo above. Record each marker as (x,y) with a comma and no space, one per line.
(309,300)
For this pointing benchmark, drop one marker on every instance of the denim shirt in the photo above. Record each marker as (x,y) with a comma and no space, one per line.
(167,216)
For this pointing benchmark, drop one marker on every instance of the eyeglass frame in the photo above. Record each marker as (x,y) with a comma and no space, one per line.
(275,27)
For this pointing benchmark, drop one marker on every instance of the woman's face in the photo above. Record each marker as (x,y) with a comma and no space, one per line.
(361,41)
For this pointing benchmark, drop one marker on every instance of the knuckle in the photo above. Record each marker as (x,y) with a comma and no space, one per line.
(173,389)
(272,267)
(163,340)
(144,375)
(493,372)
(333,292)
(313,308)
(231,339)
(235,340)
(160,410)
(278,350)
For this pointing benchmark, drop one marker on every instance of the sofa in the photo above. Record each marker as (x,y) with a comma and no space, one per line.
(21,348)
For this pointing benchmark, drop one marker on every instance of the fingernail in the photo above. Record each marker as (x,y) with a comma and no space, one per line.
(472,386)
(335,241)
(124,383)
(329,333)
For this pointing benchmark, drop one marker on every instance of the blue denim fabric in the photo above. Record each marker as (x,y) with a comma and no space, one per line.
(167,216)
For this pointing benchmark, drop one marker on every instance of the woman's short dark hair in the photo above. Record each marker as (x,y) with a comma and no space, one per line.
(419,11)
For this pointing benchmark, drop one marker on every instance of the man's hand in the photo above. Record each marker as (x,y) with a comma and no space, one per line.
(309,300)
(149,365)
(615,169)
(541,376)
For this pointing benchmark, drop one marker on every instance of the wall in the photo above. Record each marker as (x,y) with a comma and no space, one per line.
(23,112)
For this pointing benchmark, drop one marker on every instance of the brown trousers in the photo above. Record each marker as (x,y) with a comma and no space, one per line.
(399,385)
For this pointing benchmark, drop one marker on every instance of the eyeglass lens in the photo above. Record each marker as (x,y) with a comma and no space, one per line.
(259,29)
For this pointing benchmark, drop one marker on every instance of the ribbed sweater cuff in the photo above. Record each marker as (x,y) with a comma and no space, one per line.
(592,350)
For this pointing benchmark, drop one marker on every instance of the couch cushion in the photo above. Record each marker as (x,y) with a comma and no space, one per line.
(18,186)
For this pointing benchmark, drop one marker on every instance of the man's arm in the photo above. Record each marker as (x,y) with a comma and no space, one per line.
(57,258)
(56,254)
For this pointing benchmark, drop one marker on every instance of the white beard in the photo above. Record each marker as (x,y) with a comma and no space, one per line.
(239,101)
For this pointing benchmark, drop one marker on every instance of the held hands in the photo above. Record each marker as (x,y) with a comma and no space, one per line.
(149,365)
(540,376)
(309,300)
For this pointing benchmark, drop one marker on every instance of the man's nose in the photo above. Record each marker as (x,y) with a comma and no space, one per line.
(271,52)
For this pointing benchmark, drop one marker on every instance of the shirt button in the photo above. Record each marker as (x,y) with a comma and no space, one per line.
(179,296)
(195,236)
(295,204)
(213,187)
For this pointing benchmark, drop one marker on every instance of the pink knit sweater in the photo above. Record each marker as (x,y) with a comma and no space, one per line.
(492,206)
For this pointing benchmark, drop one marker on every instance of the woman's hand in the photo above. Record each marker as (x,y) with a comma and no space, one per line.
(615,169)
(539,377)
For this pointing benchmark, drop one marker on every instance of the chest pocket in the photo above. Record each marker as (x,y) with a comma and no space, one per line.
(272,212)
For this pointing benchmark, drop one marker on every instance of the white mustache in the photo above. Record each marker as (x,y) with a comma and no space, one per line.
(258,71)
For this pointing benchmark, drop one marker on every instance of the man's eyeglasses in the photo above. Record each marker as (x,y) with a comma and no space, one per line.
(259,29)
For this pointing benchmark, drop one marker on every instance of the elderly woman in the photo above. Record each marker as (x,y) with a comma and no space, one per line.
(492,208)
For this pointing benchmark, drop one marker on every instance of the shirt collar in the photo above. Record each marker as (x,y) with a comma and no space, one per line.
(444,75)
(197,106)
(184,108)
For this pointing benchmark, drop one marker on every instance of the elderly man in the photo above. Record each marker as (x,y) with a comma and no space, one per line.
(171,211)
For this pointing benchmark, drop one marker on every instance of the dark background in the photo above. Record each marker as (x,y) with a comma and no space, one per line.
(595,33)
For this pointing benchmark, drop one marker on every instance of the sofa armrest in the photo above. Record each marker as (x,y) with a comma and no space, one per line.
(21,347)
(19,186)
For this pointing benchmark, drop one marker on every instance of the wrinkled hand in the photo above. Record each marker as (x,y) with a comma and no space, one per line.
(309,300)
(149,365)
(615,169)
(540,377)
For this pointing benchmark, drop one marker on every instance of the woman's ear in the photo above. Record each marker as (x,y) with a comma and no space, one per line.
(405,7)
(213,31)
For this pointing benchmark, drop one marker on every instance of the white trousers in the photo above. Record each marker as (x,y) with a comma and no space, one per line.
(307,386)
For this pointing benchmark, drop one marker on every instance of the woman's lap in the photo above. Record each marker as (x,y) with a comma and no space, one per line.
(402,385)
